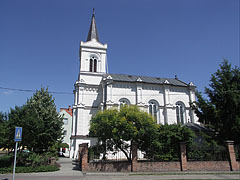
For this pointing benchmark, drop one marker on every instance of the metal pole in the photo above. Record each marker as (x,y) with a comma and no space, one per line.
(15,157)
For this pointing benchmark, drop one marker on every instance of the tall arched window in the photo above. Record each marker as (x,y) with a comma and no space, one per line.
(180,112)
(93,64)
(90,65)
(123,102)
(153,109)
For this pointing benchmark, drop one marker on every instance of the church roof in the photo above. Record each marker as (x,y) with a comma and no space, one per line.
(92,33)
(147,79)
(197,127)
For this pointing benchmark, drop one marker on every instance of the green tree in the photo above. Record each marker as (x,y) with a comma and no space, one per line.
(221,111)
(41,123)
(16,117)
(3,125)
(166,147)
(48,123)
(116,130)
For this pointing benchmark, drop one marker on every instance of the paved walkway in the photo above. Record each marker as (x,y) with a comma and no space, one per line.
(68,171)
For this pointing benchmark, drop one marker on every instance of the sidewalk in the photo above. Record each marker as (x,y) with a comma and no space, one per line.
(67,171)
(163,175)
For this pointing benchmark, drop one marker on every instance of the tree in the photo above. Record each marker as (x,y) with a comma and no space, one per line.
(41,123)
(166,147)
(117,130)
(16,117)
(3,120)
(221,111)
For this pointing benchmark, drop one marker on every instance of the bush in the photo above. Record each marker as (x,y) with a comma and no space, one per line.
(206,149)
(32,159)
(6,161)
(27,159)
(22,169)
(166,147)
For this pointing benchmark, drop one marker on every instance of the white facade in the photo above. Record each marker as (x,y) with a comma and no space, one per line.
(67,125)
(166,99)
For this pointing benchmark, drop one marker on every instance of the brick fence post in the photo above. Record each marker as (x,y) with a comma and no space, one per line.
(134,158)
(234,166)
(183,154)
(83,156)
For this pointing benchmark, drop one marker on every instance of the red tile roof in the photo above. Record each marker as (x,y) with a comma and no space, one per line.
(68,110)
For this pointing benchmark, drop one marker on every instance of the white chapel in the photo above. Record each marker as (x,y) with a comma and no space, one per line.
(166,99)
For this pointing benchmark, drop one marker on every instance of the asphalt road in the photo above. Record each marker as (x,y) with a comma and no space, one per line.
(68,171)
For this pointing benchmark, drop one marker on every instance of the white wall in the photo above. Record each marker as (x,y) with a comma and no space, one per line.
(67,127)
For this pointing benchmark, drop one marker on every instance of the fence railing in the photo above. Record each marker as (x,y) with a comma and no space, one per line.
(192,155)
(161,158)
(109,156)
(208,155)
(237,151)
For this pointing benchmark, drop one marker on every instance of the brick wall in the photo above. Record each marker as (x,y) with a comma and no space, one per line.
(157,166)
(142,166)
(147,166)
(117,166)
(208,166)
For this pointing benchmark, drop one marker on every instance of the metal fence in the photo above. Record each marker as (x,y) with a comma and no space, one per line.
(109,156)
(210,154)
(196,153)
(237,151)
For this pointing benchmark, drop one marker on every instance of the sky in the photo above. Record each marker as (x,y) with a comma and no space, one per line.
(39,42)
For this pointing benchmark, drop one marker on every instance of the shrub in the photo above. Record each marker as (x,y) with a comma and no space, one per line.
(37,160)
(31,159)
(6,161)
(206,149)
(26,159)
(166,146)
(22,169)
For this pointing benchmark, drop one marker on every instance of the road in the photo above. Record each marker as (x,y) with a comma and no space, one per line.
(68,171)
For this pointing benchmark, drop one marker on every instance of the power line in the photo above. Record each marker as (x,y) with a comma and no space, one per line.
(29,90)
(113,94)
(57,92)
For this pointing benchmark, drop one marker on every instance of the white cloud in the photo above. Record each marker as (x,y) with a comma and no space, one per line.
(6,92)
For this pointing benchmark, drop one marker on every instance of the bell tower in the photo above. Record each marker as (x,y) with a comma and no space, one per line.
(88,89)
(92,54)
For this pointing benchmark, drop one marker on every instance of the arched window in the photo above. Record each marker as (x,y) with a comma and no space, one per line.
(93,64)
(180,112)
(123,102)
(90,65)
(153,109)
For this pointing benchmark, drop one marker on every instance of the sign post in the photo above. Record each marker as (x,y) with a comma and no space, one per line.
(17,137)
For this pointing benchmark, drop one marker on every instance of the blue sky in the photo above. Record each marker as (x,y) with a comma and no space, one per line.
(39,41)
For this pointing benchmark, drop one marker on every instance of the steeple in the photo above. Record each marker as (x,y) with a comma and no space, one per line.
(92,34)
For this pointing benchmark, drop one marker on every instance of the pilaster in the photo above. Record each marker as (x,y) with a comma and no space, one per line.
(234,165)
(83,156)
(183,156)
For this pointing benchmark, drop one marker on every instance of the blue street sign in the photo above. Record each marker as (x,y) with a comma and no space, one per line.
(18,134)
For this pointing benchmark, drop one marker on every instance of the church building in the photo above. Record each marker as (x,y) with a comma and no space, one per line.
(166,99)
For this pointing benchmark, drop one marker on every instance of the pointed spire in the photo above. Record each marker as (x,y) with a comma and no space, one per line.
(92,34)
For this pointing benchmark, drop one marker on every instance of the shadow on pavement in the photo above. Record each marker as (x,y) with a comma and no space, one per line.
(75,165)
